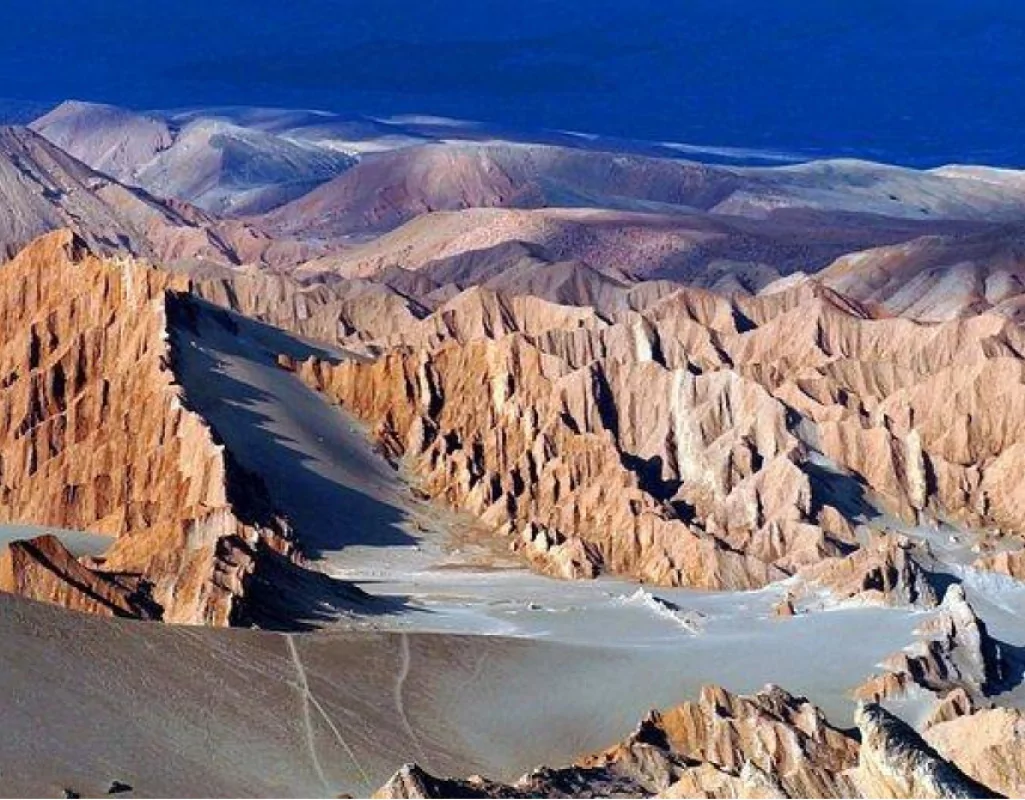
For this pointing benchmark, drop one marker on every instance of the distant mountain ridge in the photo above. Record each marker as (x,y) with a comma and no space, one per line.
(208,161)
(42,189)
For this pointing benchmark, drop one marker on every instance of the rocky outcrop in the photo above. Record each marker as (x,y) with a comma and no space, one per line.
(955,653)
(768,745)
(771,734)
(955,703)
(761,427)
(42,569)
(888,570)
(1006,562)
(95,433)
(413,781)
(555,555)
(988,745)
(785,607)
(936,278)
(894,761)
(347,313)
(694,485)
(873,388)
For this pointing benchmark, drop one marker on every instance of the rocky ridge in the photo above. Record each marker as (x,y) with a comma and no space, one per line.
(42,569)
(769,426)
(955,659)
(96,434)
(43,189)
(888,569)
(987,745)
(769,745)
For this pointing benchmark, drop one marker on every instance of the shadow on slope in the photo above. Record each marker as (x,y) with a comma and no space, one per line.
(285,597)
(310,465)
(846,492)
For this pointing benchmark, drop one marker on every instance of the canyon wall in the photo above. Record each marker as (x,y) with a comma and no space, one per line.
(96,434)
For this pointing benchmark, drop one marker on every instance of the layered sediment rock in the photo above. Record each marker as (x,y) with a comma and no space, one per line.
(95,434)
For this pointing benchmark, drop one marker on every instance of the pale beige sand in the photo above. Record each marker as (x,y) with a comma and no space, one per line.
(188,711)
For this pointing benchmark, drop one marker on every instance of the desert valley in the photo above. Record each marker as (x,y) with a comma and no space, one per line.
(412,457)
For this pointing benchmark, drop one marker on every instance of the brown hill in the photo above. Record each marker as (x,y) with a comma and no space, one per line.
(936,278)
(710,250)
(385,190)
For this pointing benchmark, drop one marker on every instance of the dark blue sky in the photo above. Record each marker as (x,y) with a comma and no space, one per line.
(910,81)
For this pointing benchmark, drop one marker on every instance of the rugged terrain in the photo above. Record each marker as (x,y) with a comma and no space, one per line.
(42,189)
(768,427)
(442,414)
(99,435)
(771,744)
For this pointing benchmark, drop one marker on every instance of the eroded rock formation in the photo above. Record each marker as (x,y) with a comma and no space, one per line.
(889,569)
(347,313)
(519,436)
(735,442)
(894,761)
(43,569)
(989,745)
(96,434)
(1007,562)
(954,654)
(767,745)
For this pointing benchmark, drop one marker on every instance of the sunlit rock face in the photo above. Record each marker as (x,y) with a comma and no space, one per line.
(955,658)
(96,434)
(767,745)
(701,441)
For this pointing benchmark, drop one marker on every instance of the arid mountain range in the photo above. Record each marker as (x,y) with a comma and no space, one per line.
(451,413)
